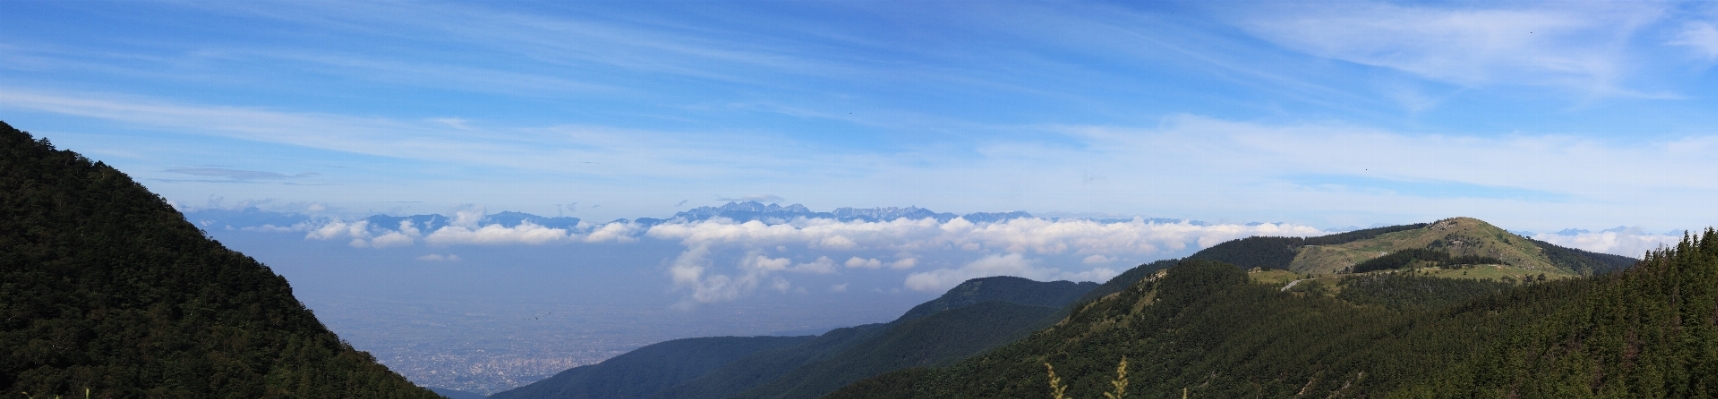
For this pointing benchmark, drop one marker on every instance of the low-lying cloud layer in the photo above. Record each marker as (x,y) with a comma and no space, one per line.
(1001,248)
(464,229)
(724,259)
(1625,241)
(774,252)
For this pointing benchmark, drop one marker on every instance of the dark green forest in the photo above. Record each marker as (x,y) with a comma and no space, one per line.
(106,287)
(1583,262)
(1650,332)
(1204,329)
(1277,252)
(1409,291)
(1407,257)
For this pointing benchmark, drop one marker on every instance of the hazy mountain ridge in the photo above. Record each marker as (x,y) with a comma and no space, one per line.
(934,340)
(765,366)
(108,288)
(647,370)
(970,318)
(252,217)
(456,394)
(753,210)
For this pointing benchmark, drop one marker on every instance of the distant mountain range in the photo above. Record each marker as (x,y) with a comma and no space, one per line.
(752,210)
(737,211)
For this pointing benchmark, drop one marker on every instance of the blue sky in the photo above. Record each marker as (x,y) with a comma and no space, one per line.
(1534,116)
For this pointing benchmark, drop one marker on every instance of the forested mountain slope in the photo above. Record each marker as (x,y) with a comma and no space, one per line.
(933,340)
(1204,329)
(1002,288)
(1650,332)
(765,366)
(105,286)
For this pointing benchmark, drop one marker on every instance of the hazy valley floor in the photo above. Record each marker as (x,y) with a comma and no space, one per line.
(487,347)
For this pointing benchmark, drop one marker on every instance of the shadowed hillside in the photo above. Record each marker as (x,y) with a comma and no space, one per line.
(645,371)
(1002,288)
(973,317)
(105,286)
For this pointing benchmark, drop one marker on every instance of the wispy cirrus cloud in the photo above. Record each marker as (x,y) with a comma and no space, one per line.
(620,42)
(1700,37)
(1258,166)
(1177,163)
(239,174)
(594,150)
(1539,179)
(1579,46)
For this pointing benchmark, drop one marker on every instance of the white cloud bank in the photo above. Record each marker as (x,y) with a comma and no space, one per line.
(1035,248)
(1004,248)
(463,230)
(1015,247)
(1025,235)
(1625,241)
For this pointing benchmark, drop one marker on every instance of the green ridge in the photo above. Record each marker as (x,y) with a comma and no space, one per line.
(1205,328)
(934,340)
(105,286)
